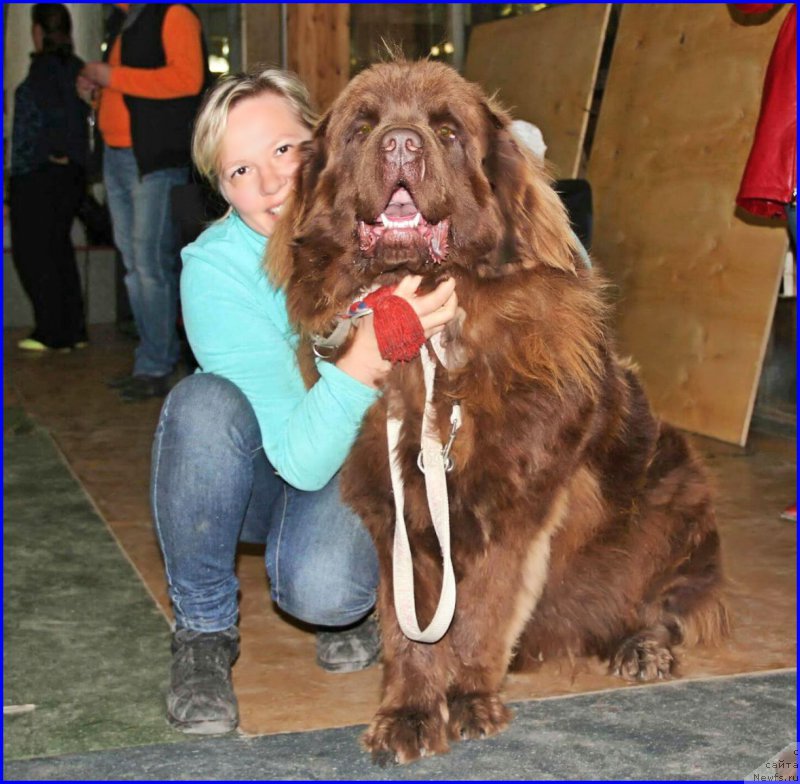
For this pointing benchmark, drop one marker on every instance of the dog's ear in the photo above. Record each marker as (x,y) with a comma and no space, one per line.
(313,159)
(537,230)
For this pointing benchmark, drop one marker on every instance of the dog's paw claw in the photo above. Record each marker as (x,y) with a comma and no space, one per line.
(405,735)
(642,658)
(476,716)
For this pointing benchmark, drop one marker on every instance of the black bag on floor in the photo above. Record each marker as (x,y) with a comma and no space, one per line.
(96,220)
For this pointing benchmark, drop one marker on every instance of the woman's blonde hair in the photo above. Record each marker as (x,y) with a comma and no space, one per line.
(212,117)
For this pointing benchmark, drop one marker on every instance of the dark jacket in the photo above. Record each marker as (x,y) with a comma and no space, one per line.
(161,129)
(770,176)
(49,117)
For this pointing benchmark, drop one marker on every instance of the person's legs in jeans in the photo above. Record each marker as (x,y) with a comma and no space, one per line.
(146,237)
(119,177)
(211,486)
(153,283)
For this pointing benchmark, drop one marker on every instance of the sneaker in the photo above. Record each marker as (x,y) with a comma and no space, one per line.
(31,344)
(118,382)
(349,649)
(143,388)
(201,699)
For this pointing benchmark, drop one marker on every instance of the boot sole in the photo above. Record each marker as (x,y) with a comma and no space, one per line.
(348,666)
(217,727)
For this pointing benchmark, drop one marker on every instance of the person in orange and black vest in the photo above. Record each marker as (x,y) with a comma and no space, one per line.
(151,83)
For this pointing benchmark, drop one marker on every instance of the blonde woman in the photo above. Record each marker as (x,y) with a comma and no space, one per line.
(242,450)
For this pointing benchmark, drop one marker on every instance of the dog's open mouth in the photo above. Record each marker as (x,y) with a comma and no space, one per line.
(401,224)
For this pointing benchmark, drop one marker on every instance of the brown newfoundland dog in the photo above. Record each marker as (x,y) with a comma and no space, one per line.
(580,524)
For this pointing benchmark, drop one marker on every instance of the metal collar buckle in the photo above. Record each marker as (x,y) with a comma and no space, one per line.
(455,424)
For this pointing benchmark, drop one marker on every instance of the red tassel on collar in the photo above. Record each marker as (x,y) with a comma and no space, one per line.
(397,326)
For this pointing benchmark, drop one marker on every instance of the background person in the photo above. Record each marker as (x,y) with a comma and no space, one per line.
(49,147)
(769,182)
(152,82)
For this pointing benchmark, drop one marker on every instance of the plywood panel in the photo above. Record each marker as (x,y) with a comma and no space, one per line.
(697,283)
(543,67)
(319,48)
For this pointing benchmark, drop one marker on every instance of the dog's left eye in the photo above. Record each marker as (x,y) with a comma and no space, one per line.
(364,129)
(446,132)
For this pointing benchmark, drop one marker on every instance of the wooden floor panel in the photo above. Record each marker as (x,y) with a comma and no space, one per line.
(279,686)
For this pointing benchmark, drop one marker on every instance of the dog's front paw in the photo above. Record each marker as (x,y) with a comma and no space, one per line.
(476,715)
(405,734)
(643,657)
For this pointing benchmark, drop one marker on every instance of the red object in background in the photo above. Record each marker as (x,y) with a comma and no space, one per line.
(790,513)
(770,175)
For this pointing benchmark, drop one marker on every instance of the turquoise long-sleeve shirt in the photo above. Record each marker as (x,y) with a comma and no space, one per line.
(238,328)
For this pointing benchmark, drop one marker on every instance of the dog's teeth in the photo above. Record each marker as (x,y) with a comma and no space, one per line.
(411,223)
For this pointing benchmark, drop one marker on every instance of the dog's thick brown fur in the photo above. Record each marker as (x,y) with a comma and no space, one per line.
(580,524)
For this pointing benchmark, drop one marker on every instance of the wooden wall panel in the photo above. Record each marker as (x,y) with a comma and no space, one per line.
(697,283)
(319,48)
(261,34)
(544,66)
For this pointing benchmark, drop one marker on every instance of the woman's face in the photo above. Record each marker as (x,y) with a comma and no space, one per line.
(37,34)
(258,158)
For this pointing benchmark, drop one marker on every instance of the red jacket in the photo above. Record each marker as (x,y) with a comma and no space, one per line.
(770,177)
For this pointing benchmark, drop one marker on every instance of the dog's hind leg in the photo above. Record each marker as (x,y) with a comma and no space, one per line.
(687,607)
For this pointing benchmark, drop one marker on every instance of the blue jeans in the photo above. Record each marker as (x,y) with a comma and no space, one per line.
(146,237)
(212,486)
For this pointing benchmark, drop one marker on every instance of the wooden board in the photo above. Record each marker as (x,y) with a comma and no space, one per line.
(543,66)
(697,281)
(319,48)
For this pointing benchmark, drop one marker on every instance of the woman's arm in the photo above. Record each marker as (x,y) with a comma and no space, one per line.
(241,332)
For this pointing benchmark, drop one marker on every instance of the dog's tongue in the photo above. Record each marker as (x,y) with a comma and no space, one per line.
(401,205)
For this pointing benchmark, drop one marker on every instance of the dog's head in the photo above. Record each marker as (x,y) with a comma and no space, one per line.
(412,171)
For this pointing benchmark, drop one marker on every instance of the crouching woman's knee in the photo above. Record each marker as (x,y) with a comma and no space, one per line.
(331,588)
(206,413)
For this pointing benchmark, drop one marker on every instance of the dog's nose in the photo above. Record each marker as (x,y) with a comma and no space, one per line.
(401,146)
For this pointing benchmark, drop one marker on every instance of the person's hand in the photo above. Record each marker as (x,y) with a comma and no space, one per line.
(85,88)
(435,309)
(363,359)
(99,73)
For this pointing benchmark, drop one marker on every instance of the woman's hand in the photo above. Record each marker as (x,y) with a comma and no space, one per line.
(363,359)
(435,309)
(86,89)
(99,73)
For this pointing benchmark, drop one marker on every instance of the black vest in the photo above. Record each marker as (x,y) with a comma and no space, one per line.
(161,129)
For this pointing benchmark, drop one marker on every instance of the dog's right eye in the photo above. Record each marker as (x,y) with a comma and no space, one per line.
(363,129)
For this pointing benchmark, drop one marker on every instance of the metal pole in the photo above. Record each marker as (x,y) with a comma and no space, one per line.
(284,36)
(456,23)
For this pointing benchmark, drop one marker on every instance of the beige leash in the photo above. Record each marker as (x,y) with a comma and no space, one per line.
(434,461)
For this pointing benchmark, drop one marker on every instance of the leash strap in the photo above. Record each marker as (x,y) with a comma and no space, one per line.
(436,489)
